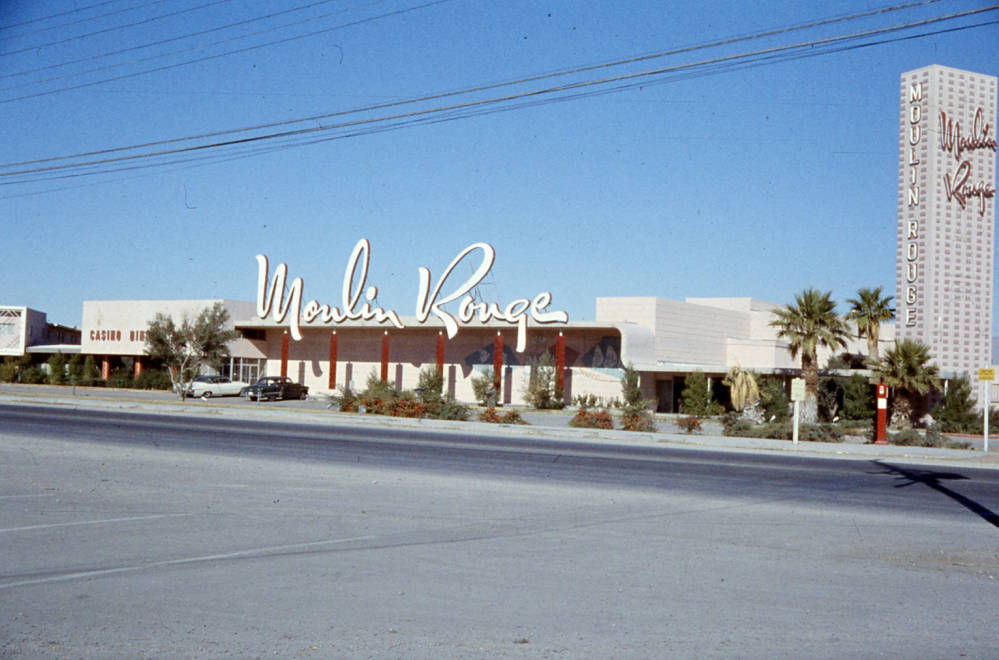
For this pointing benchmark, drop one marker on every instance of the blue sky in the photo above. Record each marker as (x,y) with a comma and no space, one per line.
(742,178)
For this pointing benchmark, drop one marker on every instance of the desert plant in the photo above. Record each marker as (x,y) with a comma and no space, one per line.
(807,325)
(869,310)
(907,370)
(743,389)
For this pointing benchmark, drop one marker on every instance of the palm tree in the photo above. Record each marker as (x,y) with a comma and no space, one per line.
(869,310)
(906,369)
(808,324)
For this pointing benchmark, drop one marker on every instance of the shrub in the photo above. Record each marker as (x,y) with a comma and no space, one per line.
(121,377)
(493,417)
(773,397)
(690,423)
(344,399)
(57,369)
(592,419)
(542,390)
(734,424)
(407,407)
(697,397)
(956,411)
(484,388)
(641,421)
(8,370)
(32,375)
(858,398)
(932,438)
(90,375)
(153,379)
(452,410)
(635,410)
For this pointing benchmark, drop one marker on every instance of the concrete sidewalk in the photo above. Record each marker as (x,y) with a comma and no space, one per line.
(548,425)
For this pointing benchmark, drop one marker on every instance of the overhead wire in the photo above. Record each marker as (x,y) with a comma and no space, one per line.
(502,84)
(568,91)
(206,58)
(488,106)
(144,21)
(75,10)
(161,42)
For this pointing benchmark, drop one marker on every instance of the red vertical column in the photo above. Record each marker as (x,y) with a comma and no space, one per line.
(440,352)
(385,356)
(137,367)
(882,422)
(560,364)
(333,351)
(285,340)
(105,368)
(498,365)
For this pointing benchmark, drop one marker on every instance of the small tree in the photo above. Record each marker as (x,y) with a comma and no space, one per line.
(430,387)
(184,348)
(542,390)
(773,398)
(90,372)
(697,396)
(635,415)
(484,388)
(858,398)
(57,369)
(907,370)
(956,411)
(75,368)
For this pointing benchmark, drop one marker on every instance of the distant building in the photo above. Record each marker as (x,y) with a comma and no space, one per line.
(946,214)
(27,331)
(665,340)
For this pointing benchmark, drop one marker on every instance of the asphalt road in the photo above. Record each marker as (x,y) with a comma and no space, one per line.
(132,535)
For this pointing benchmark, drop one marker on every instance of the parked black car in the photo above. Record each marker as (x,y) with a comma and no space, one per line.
(275,387)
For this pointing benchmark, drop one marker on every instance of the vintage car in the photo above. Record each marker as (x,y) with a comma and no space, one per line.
(209,386)
(275,387)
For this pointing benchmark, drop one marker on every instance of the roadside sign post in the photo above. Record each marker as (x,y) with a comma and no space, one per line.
(797,395)
(880,436)
(986,376)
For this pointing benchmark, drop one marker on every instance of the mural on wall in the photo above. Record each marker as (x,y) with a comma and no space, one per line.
(606,354)
(484,357)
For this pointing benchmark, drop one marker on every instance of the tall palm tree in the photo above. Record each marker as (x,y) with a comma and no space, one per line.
(906,369)
(808,324)
(869,310)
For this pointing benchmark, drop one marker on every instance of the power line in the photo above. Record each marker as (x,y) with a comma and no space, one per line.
(570,91)
(160,42)
(114,28)
(62,13)
(397,12)
(509,83)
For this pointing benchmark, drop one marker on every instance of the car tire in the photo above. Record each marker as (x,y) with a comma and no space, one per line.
(304,395)
(206,395)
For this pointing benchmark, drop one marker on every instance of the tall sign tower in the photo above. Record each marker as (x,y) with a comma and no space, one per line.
(946,214)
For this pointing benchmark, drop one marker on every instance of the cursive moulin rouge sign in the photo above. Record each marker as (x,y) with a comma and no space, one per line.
(283,300)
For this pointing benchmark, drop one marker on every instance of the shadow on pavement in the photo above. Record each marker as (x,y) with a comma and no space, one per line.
(932,479)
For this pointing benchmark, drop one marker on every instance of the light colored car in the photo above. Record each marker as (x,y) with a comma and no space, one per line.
(209,386)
